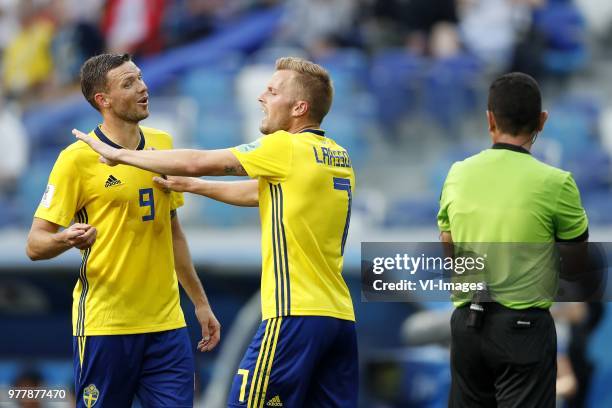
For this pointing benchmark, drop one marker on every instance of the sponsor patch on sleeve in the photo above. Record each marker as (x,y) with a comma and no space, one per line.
(245,148)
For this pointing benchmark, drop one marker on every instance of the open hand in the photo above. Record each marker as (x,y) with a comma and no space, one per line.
(108,154)
(173,183)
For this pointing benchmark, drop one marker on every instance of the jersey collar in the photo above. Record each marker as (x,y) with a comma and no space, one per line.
(319,132)
(508,146)
(106,140)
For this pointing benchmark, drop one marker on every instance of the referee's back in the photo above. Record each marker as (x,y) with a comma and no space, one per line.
(504,194)
(503,349)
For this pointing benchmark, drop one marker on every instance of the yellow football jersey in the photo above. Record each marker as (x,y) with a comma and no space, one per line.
(127,283)
(306,183)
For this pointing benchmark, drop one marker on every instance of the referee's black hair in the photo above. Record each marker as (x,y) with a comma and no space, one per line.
(93,74)
(516,102)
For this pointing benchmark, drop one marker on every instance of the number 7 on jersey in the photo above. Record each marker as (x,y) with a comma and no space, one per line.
(344,184)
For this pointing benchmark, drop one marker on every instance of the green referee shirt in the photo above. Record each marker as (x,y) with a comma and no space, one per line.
(505,195)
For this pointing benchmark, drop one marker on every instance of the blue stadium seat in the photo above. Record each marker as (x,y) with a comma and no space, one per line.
(571,129)
(8,371)
(595,176)
(588,106)
(269,55)
(564,27)
(212,87)
(425,378)
(451,89)
(563,24)
(597,206)
(31,187)
(348,68)
(54,373)
(395,80)
(599,395)
(10,214)
(218,130)
(412,212)
(217,214)
(57,373)
(348,131)
(88,122)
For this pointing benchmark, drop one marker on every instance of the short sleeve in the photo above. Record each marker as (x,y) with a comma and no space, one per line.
(267,157)
(570,217)
(443,220)
(176,200)
(60,200)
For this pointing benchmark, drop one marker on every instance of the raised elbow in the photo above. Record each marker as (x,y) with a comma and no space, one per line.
(253,201)
(32,253)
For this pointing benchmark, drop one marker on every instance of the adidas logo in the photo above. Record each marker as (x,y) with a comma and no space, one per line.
(275,402)
(112,181)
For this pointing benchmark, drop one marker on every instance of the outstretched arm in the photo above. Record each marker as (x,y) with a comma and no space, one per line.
(241,193)
(172,162)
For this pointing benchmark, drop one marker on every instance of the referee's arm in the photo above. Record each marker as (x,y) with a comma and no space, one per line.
(574,255)
(571,232)
(447,244)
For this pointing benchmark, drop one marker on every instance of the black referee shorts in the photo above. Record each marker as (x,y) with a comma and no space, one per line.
(511,361)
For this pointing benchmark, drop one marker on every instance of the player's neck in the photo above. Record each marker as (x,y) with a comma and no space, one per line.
(524,141)
(299,127)
(123,133)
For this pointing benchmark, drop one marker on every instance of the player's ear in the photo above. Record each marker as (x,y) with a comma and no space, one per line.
(300,108)
(543,118)
(101,100)
(491,121)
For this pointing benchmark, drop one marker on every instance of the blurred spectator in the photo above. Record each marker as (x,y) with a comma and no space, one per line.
(582,328)
(13,145)
(575,323)
(425,27)
(491,29)
(599,16)
(29,379)
(76,40)
(9,21)
(319,25)
(564,314)
(133,26)
(27,62)
(83,10)
(188,20)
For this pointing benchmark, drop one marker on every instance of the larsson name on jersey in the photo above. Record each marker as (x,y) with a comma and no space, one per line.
(336,158)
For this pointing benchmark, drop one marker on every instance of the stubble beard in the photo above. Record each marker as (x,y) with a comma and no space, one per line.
(132,117)
(267,128)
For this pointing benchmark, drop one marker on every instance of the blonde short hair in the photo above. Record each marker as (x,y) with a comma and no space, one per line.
(313,84)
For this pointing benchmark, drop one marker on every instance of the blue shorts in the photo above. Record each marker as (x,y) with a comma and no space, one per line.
(158,368)
(305,361)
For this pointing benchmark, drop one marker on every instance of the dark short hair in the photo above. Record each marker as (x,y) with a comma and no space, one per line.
(516,102)
(93,74)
